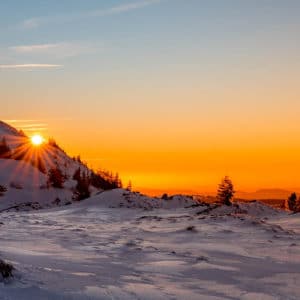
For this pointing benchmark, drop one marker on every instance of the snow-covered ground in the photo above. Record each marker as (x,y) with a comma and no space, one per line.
(92,251)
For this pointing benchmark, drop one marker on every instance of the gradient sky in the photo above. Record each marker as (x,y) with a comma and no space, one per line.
(173,94)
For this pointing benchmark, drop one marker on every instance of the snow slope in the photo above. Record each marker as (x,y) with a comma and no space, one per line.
(91,251)
(123,198)
(25,185)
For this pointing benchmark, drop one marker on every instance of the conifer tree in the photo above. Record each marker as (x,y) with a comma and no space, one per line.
(5,151)
(82,187)
(56,177)
(129,186)
(291,202)
(77,174)
(225,191)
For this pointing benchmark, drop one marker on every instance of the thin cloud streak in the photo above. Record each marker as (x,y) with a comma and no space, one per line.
(36,129)
(19,121)
(30,66)
(123,8)
(34,125)
(65,18)
(36,120)
(58,50)
(34,48)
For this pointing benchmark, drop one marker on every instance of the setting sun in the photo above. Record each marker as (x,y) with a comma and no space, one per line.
(37,140)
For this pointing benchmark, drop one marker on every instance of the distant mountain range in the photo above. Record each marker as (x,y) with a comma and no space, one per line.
(275,193)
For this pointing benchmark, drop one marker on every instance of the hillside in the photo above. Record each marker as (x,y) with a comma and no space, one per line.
(24,171)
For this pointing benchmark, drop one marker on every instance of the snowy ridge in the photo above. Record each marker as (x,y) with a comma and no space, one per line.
(123,198)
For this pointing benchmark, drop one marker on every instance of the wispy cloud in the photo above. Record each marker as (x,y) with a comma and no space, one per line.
(29,126)
(34,121)
(57,50)
(30,66)
(123,8)
(65,18)
(34,48)
(35,129)
(38,125)
(19,121)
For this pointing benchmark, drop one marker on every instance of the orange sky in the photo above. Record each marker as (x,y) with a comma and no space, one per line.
(171,95)
(171,144)
(183,160)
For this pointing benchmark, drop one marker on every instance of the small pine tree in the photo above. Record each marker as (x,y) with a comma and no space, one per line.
(77,174)
(83,187)
(129,186)
(56,177)
(5,151)
(116,180)
(225,191)
(291,203)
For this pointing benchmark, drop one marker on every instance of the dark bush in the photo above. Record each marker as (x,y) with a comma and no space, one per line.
(3,190)
(165,197)
(6,269)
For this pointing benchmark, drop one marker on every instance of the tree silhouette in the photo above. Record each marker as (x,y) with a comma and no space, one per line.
(83,186)
(291,202)
(225,191)
(55,177)
(77,174)
(105,180)
(129,186)
(117,181)
(3,190)
(5,151)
